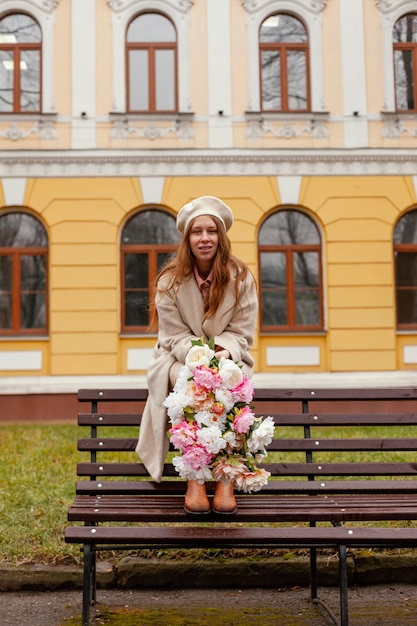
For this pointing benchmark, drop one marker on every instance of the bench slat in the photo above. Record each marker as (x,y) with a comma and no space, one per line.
(277,445)
(277,469)
(281,419)
(138,487)
(290,395)
(207,537)
(263,509)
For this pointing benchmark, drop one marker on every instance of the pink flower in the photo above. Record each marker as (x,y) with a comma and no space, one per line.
(207,378)
(243,392)
(243,420)
(228,468)
(196,456)
(183,434)
(252,481)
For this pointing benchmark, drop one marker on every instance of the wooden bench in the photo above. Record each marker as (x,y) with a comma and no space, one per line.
(323,493)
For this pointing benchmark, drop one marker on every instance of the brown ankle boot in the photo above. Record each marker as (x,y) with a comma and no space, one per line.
(224,501)
(196,501)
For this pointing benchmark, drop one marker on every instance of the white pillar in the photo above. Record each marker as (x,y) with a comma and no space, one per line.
(83,33)
(353,74)
(219,74)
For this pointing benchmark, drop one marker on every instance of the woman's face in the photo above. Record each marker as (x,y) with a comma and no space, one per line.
(204,240)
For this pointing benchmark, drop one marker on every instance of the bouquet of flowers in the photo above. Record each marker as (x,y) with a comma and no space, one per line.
(212,423)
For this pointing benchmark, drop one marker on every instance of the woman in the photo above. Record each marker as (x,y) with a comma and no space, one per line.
(204,291)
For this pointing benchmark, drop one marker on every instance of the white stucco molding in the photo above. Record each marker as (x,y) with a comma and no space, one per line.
(178,12)
(390,12)
(182,162)
(311,14)
(43,13)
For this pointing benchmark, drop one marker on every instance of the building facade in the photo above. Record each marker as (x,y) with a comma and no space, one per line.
(300,114)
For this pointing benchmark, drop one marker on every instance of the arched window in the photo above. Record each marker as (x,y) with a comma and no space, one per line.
(151,48)
(290,267)
(20,64)
(23,274)
(405,62)
(148,239)
(405,253)
(284,64)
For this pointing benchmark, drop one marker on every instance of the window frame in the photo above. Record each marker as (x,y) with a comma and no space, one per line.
(399,47)
(152,48)
(17,48)
(16,253)
(403,248)
(283,49)
(152,250)
(290,288)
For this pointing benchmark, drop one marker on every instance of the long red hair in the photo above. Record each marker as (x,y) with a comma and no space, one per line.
(181,268)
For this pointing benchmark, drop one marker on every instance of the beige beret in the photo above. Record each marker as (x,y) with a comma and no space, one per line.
(206,205)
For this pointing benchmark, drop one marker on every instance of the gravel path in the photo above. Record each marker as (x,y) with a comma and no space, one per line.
(394,605)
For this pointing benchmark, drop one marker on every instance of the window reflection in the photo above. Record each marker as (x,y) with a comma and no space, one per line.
(290,262)
(284,64)
(405,252)
(23,274)
(405,62)
(20,64)
(148,239)
(151,64)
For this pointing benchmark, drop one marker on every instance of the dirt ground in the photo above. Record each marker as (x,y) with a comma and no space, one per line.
(382,605)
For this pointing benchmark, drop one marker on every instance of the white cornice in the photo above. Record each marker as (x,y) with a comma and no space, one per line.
(86,164)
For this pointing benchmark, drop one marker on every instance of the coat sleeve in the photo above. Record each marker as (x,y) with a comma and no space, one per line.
(174,334)
(237,337)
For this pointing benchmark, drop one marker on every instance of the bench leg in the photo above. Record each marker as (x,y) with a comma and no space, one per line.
(343,587)
(313,573)
(89,583)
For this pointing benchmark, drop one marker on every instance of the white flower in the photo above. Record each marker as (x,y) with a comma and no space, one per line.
(199,355)
(211,439)
(225,397)
(231,438)
(252,481)
(183,378)
(262,435)
(230,373)
(175,403)
(187,472)
(206,418)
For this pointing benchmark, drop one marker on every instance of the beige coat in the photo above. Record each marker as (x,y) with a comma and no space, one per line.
(180,321)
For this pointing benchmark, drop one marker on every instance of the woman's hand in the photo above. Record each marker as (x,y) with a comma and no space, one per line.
(219,352)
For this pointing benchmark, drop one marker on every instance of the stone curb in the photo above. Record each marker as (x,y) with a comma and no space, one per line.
(138,573)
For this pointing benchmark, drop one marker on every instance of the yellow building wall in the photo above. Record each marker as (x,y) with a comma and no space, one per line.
(356,217)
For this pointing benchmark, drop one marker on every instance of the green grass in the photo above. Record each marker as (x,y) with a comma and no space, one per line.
(37,485)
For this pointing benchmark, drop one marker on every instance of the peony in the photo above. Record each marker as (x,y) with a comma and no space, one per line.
(196,456)
(210,418)
(252,480)
(228,468)
(230,373)
(225,397)
(199,355)
(176,402)
(243,392)
(187,472)
(262,435)
(183,434)
(243,420)
(211,439)
(207,378)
